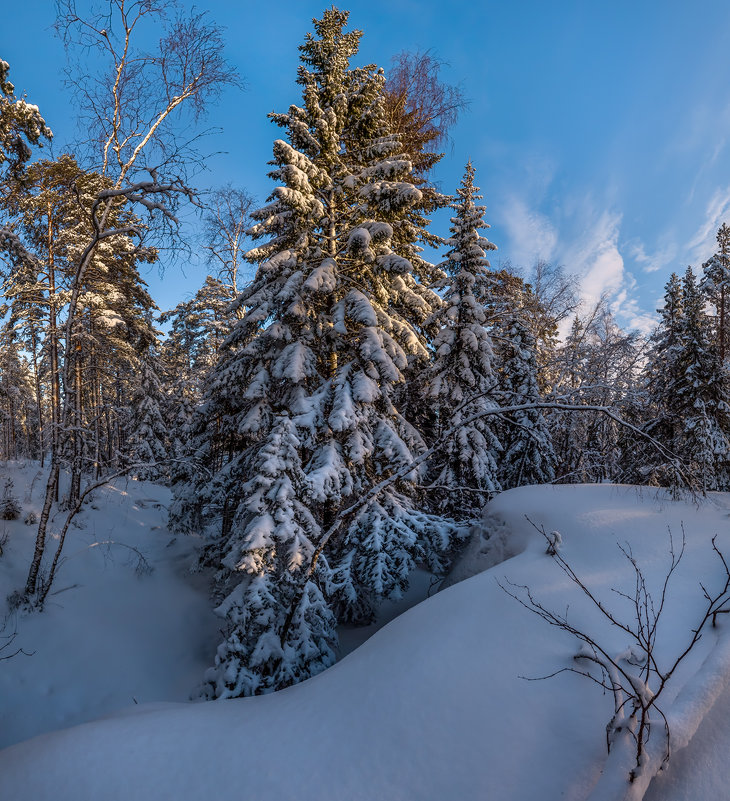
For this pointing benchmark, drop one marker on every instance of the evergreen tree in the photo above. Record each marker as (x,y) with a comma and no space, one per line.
(309,374)
(700,396)
(9,504)
(18,421)
(687,391)
(198,327)
(461,381)
(661,377)
(148,435)
(21,126)
(277,549)
(528,451)
(716,287)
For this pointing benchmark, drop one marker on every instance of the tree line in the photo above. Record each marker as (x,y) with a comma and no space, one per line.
(338,420)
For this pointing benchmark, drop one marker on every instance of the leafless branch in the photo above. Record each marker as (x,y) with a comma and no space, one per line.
(635,677)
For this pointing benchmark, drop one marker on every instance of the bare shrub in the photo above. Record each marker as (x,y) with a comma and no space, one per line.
(635,677)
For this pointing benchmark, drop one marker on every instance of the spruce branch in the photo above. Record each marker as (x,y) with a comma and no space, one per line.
(445,437)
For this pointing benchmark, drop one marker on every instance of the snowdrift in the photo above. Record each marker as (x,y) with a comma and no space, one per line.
(435,705)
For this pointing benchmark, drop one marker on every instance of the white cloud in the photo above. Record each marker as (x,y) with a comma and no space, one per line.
(531,234)
(635,318)
(594,254)
(652,262)
(702,244)
(595,257)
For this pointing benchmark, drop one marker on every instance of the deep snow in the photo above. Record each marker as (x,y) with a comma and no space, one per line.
(111,635)
(431,707)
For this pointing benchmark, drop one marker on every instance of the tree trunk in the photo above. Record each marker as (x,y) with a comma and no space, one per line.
(40,540)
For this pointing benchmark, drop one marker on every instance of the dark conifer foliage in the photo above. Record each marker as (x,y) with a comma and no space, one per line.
(528,457)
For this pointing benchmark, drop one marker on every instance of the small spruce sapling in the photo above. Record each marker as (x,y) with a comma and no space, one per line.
(9,504)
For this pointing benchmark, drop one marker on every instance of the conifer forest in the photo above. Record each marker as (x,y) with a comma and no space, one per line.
(360,401)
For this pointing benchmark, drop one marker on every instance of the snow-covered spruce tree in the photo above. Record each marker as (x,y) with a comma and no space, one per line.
(660,379)
(9,504)
(308,375)
(279,543)
(21,126)
(18,411)
(147,437)
(686,390)
(701,394)
(198,327)
(528,457)
(715,285)
(461,380)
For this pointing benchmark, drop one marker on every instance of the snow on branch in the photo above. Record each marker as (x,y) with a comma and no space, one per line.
(11,243)
(410,467)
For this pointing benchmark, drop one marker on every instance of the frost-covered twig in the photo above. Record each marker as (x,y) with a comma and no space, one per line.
(634,676)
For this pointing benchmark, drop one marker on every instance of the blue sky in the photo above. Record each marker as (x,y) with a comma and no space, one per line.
(598,130)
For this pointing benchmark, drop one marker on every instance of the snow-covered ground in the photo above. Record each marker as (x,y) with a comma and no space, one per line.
(112,634)
(433,706)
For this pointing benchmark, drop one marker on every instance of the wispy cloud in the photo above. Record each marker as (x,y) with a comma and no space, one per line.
(651,262)
(585,238)
(531,234)
(627,307)
(700,136)
(595,256)
(702,245)
(599,260)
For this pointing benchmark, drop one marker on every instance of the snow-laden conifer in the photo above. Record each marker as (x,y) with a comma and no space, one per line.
(660,377)
(147,443)
(701,400)
(21,125)
(329,324)
(461,380)
(528,451)
(715,285)
(9,504)
(267,567)
(687,390)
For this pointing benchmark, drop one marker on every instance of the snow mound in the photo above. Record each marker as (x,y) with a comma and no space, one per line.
(433,706)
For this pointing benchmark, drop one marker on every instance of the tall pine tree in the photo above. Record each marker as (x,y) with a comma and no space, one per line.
(700,394)
(686,391)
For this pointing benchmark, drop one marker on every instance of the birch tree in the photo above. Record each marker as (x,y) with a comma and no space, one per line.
(131,110)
